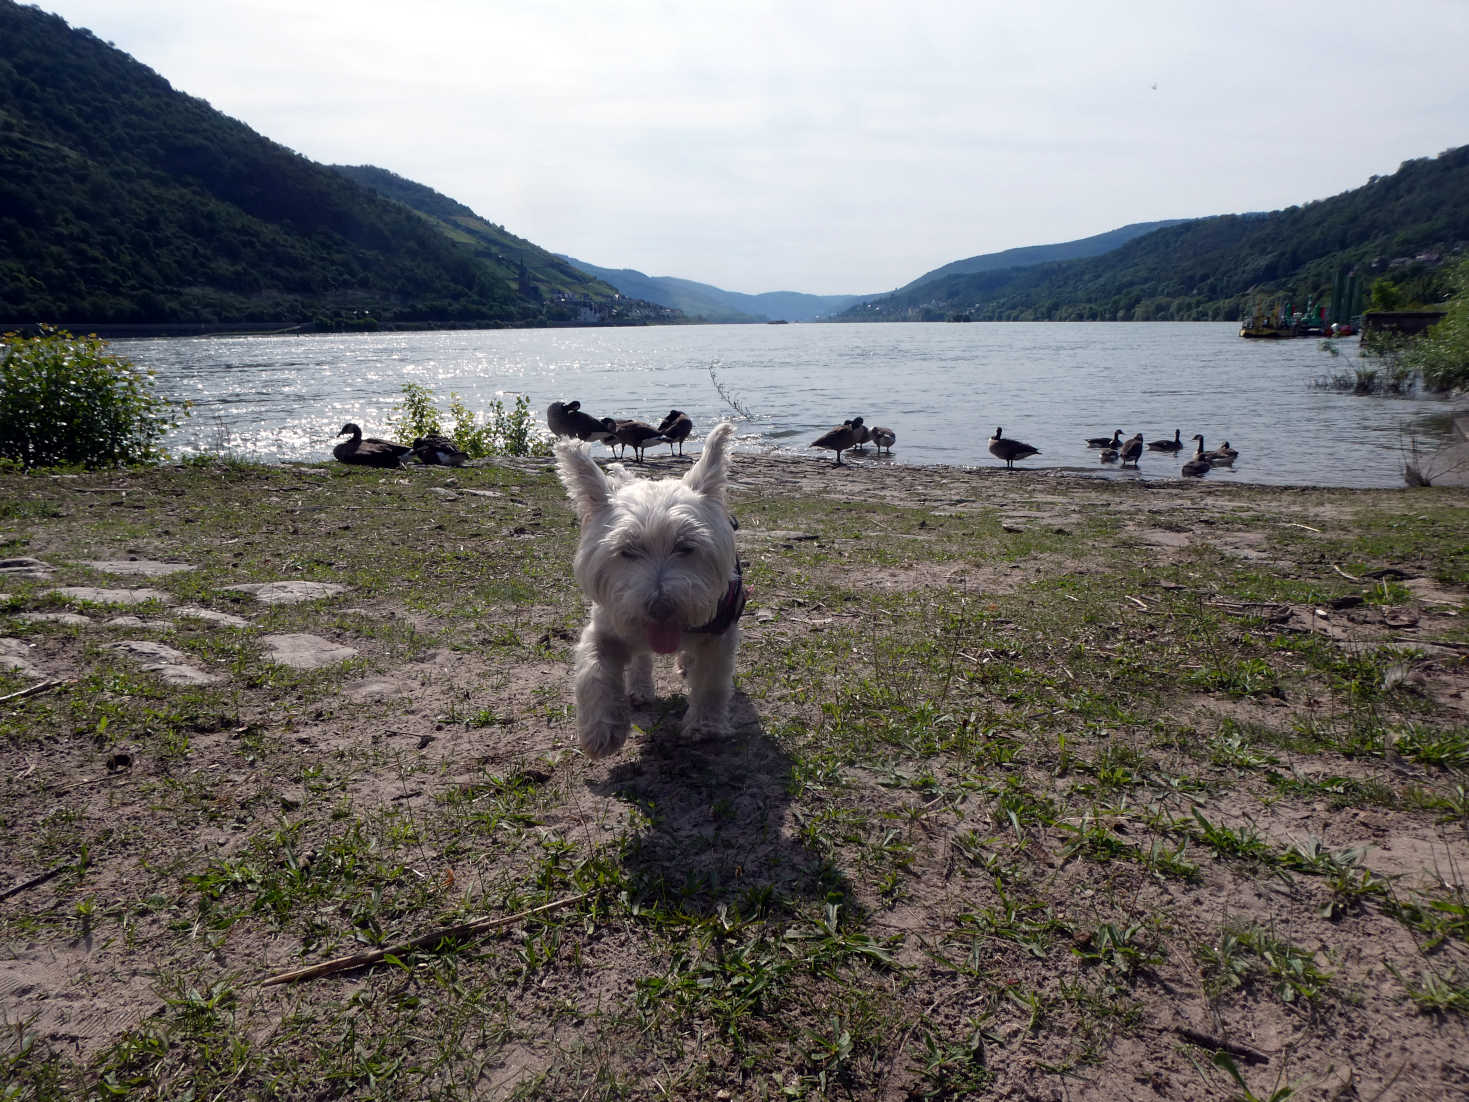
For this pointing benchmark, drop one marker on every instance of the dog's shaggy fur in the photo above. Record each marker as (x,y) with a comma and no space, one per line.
(656,559)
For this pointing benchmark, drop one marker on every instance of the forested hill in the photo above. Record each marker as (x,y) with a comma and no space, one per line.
(125,201)
(1401,226)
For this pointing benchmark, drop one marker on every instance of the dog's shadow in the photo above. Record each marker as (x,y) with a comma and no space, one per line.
(716,810)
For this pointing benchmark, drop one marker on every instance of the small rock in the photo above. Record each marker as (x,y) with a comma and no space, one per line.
(16,655)
(110,596)
(287,593)
(146,567)
(228,619)
(170,665)
(136,622)
(72,619)
(305,652)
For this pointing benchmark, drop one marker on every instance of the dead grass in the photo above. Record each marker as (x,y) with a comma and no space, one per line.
(1042,788)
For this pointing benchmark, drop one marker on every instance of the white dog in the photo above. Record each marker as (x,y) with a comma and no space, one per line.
(657,560)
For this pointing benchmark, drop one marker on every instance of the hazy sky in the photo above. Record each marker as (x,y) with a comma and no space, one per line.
(825,147)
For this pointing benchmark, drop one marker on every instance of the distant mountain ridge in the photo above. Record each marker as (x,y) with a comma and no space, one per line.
(710,303)
(1216,268)
(1029,255)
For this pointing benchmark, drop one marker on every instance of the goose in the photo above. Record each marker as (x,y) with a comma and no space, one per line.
(840,438)
(438,451)
(864,434)
(676,428)
(636,435)
(1174,445)
(1198,466)
(883,438)
(1110,455)
(1132,450)
(567,419)
(1114,441)
(1010,450)
(1222,456)
(369,452)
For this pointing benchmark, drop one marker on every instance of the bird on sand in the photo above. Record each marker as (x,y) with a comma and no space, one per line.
(1010,450)
(883,438)
(369,452)
(839,439)
(676,428)
(1132,450)
(636,435)
(567,419)
(438,451)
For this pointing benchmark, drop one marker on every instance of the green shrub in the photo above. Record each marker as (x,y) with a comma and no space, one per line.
(1442,353)
(499,432)
(68,401)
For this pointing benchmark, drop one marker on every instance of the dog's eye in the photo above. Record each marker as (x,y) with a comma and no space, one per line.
(629,553)
(683,549)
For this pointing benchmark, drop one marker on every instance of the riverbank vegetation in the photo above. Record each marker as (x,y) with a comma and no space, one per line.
(1039,786)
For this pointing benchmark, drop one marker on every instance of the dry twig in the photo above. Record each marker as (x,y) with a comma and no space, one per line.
(464,930)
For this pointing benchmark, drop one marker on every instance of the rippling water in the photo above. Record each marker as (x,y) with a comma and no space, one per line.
(942,387)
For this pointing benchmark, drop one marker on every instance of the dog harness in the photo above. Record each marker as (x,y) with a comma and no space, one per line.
(731,606)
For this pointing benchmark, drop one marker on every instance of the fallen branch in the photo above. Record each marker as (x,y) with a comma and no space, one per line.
(35,881)
(473,928)
(1214,1044)
(1307,527)
(1344,574)
(1135,601)
(37,689)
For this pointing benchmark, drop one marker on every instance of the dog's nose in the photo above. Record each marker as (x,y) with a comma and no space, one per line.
(661,608)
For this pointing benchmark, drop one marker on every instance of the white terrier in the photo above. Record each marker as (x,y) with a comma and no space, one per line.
(657,560)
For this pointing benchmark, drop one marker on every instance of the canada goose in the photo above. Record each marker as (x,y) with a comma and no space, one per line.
(369,452)
(840,438)
(1198,466)
(567,419)
(1010,450)
(636,435)
(676,428)
(1222,456)
(1174,445)
(438,451)
(883,438)
(1110,455)
(864,434)
(1113,441)
(1132,450)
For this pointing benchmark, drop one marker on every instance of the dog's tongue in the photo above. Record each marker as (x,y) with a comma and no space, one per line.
(664,636)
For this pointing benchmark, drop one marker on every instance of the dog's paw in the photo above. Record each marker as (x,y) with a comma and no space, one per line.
(600,737)
(704,728)
(641,696)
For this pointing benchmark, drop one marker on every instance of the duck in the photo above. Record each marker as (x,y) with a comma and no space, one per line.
(1174,445)
(1011,450)
(1199,465)
(883,438)
(369,451)
(636,435)
(839,439)
(1113,441)
(438,451)
(1132,450)
(1110,455)
(676,428)
(567,419)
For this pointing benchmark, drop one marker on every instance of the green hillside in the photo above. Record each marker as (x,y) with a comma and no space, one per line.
(123,200)
(1402,226)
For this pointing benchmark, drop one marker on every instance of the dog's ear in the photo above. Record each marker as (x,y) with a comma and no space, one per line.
(709,474)
(585,483)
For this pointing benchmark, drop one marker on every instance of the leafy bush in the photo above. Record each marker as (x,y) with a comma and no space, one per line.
(1442,353)
(68,401)
(500,432)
